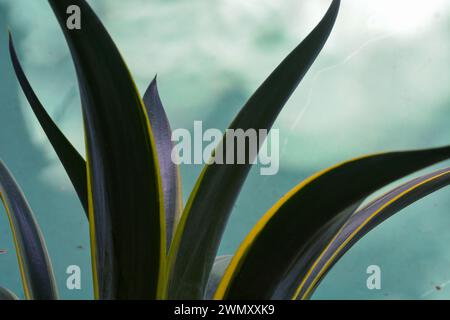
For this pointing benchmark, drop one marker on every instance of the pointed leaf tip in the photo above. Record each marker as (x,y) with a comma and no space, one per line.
(203,221)
(71,160)
(170,176)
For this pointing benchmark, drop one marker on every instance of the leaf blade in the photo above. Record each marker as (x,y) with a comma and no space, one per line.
(302,223)
(197,239)
(170,176)
(35,267)
(367,218)
(72,161)
(220,265)
(124,187)
(6,294)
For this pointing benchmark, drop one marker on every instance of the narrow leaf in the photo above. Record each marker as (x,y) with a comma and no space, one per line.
(170,176)
(220,265)
(35,266)
(6,294)
(367,218)
(72,161)
(203,221)
(126,206)
(292,234)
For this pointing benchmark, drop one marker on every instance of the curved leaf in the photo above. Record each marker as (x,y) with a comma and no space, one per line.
(203,221)
(367,218)
(292,234)
(171,180)
(72,161)
(220,265)
(126,206)
(6,294)
(35,266)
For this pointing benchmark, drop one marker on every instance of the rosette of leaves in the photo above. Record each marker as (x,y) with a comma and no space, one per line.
(144,243)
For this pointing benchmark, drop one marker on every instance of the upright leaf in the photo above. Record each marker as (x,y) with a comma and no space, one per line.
(203,221)
(367,218)
(126,205)
(35,267)
(171,180)
(72,161)
(295,231)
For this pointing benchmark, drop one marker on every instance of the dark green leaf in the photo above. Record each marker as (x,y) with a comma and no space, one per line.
(170,176)
(203,221)
(220,265)
(126,206)
(72,161)
(367,218)
(291,236)
(35,266)
(6,294)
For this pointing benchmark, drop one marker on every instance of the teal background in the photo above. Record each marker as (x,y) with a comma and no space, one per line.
(381,83)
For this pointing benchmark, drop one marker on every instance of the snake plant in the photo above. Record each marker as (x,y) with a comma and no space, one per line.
(144,243)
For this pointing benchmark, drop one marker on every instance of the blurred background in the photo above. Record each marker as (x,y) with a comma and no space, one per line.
(381,83)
